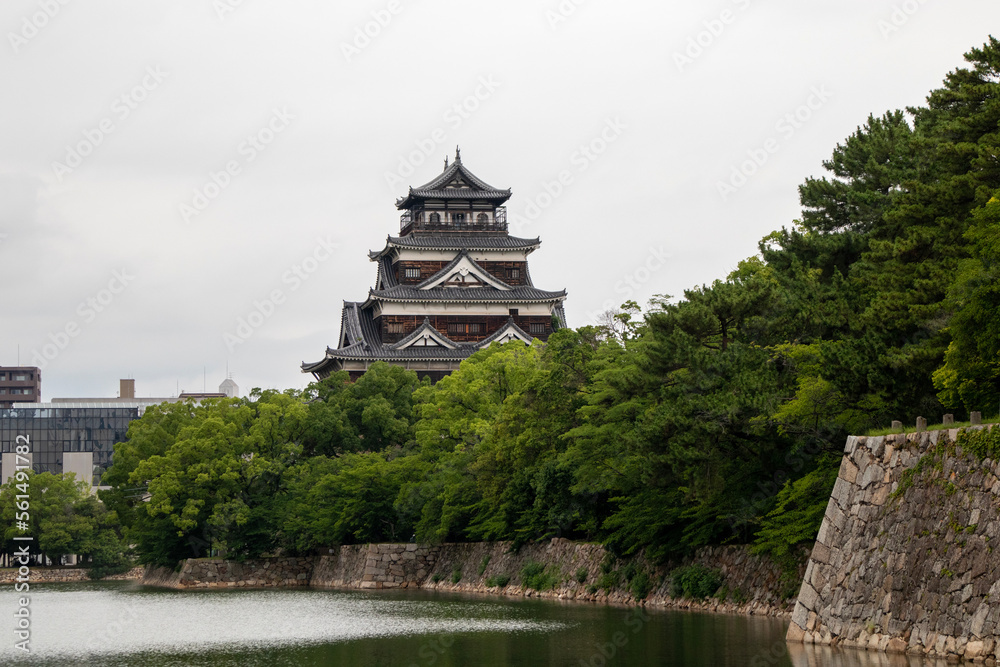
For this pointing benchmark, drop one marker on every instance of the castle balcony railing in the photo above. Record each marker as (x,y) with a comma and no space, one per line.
(408,224)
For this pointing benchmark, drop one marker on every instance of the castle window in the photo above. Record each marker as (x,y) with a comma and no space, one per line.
(536,328)
(458,218)
(435,217)
(411,272)
(460,328)
(395,327)
(482,218)
(514,274)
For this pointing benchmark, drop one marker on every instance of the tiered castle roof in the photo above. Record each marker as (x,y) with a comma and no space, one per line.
(453,282)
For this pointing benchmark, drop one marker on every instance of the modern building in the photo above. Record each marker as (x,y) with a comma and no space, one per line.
(66,437)
(453,282)
(230,388)
(19,384)
(75,434)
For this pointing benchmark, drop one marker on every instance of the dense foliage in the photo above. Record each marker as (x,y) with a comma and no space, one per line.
(65,518)
(714,418)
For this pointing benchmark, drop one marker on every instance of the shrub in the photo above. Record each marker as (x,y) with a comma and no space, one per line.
(609,580)
(498,581)
(592,589)
(640,585)
(798,514)
(483,565)
(436,578)
(608,564)
(535,576)
(581,575)
(456,574)
(694,581)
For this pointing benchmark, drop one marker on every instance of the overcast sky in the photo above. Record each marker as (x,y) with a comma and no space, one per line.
(170,167)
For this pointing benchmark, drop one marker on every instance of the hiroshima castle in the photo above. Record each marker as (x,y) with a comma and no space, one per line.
(453,282)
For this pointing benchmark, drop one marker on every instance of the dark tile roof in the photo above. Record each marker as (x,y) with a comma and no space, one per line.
(437,188)
(350,326)
(370,350)
(457,241)
(386,274)
(466,295)
(459,193)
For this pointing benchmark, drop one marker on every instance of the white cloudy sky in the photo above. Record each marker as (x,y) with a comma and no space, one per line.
(115,112)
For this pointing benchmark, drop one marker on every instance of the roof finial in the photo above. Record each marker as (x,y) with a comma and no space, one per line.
(446,163)
(458,154)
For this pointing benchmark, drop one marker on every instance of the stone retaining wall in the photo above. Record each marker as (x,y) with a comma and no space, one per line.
(46,575)
(754,582)
(262,573)
(218,573)
(904,559)
(376,566)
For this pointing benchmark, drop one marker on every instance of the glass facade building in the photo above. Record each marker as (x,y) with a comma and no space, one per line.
(55,431)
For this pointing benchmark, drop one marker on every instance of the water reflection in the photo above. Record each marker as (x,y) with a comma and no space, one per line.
(822,656)
(118,625)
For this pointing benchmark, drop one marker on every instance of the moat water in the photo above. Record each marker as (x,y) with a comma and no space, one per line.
(119,624)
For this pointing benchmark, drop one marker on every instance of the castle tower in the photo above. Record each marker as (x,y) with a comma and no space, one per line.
(453,282)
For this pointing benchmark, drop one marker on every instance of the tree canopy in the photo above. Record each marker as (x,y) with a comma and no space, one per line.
(717,417)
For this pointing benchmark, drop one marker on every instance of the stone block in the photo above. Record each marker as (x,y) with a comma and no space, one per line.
(800,616)
(897,426)
(827,533)
(808,597)
(842,493)
(975,418)
(921,424)
(795,633)
(848,471)
(948,419)
(896,645)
